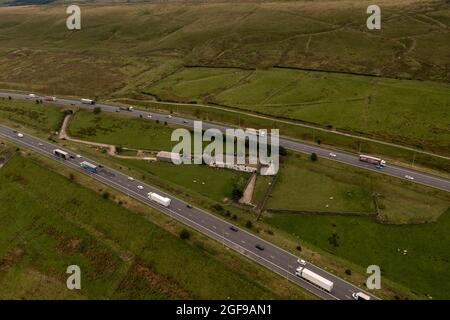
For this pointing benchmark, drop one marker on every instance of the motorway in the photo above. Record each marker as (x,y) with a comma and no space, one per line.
(340,156)
(272,257)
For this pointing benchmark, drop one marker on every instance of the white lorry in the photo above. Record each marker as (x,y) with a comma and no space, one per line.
(87,101)
(314,278)
(159,199)
(360,296)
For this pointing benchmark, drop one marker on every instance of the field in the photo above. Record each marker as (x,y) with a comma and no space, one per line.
(424,269)
(386,109)
(124,47)
(75,225)
(121,130)
(187,52)
(30,114)
(327,186)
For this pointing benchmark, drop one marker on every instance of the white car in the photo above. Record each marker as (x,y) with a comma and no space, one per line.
(140,187)
(131,178)
(149,116)
(301,262)
(32,96)
(20,135)
(169,116)
(78,156)
(40,144)
(332,154)
(409,177)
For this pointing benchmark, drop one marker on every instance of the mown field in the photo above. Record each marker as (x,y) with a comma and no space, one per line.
(70,224)
(328,186)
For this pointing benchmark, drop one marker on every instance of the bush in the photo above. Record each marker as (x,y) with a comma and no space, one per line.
(184,234)
(299,248)
(283,151)
(97,110)
(348,272)
(270,232)
(234,217)
(249,224)
(105,195)
(237,193)
(71,176)
(313,157)
(217,207)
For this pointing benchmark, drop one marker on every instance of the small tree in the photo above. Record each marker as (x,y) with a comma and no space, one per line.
(249,224)
(184,234)
(97,110)
(313,156)
(237,193)
(348,272)
(283,151)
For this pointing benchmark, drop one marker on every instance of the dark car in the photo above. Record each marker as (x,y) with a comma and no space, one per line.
(100,166)
(259,247)
(233,228)
(72,157)
(189,206)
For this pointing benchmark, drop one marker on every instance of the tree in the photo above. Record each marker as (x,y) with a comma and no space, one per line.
(119,149)
(237,193)
(249,224)
(97,110)
(184,234)
(313,156)
(283,151)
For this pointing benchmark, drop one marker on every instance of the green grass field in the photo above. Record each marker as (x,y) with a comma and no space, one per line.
(328,186)
(117,130)
(412,113)
(42,117)
(69,224)
(212,183)
(425,267)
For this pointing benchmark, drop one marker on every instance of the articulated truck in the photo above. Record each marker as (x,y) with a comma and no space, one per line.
(61,154)
(87,101)
(373,160)
(159,199)
(314,278)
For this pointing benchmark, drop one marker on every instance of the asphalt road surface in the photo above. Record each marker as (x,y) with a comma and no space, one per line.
(344,157)
(272,257)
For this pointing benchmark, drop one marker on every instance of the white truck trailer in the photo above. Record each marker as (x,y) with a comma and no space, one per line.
(87,101)
(61,154)
(314,278)
(159,199)
(372,160)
